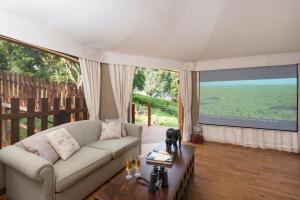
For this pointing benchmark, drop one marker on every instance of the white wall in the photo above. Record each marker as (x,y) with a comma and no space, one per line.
(248,61)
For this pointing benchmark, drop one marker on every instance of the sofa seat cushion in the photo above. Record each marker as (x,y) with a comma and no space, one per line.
(79,165)
(116,146)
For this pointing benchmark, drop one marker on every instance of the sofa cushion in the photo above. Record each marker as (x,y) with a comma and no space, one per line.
(79,165)
(63,143)
(40,146)
(116,146)
(111,130)
(84,131)
(123,133)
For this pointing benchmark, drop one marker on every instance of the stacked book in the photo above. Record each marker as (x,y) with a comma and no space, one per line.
(163,158)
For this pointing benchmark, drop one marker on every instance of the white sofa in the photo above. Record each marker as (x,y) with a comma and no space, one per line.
(28,176)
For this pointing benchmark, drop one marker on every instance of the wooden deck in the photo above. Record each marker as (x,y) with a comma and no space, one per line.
(151,136)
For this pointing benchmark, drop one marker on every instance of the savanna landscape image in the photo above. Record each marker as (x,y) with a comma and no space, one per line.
(256,99)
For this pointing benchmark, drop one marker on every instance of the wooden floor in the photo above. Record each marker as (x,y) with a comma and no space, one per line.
(228,172)
(238,173)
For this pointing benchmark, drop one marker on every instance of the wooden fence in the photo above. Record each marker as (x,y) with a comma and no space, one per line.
(61,114)
(25,87)
(133,114)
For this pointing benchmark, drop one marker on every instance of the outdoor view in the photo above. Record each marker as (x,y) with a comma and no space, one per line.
(24,60)
(20,62)
(264,103)
(54,75)
(159,88)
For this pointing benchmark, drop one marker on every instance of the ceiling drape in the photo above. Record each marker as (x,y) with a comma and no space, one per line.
(121,80)
(91,79)
(185,87)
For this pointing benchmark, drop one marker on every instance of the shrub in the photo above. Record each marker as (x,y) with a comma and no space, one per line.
(166,106)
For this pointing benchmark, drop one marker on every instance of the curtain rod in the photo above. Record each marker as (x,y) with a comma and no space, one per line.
(67,56)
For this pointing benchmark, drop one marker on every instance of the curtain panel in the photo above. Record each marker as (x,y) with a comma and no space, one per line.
(185,87)
(91,80)
(121,79)
(251,137)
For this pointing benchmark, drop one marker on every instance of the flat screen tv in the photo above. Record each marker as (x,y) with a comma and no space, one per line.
(259,97)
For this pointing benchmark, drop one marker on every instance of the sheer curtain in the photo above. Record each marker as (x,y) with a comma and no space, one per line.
(251,137)
(121,79)
(185,85)
(91,80)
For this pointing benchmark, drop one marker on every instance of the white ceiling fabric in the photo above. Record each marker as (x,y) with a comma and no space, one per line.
(158,33)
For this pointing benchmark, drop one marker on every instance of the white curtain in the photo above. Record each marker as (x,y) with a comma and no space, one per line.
(250,137)
(185,86)
(91,80)
(121,79)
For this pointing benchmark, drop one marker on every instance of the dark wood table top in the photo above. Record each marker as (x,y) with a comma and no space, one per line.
(120,188)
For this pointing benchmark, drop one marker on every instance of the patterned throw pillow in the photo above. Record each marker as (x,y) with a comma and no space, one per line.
(123,132)
(39,145)
(63,143)
(111,130)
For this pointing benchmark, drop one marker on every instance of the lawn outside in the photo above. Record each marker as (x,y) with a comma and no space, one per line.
(163,112)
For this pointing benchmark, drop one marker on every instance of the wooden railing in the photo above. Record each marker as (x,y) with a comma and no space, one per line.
(61,114)
(25,87)
(133,114)
(146,114)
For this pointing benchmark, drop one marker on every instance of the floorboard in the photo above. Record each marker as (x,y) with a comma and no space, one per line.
(234,172)
(238,173)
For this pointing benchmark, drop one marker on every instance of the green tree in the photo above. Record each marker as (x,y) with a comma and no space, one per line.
(158,83)
(151,82)
(139,79)
(28,61)
(3,59)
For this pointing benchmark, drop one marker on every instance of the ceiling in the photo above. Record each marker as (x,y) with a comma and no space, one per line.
(182,30)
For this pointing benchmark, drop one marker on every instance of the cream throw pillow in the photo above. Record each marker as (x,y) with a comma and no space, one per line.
(63,143)
(123,132)
(111,130)
(39,145)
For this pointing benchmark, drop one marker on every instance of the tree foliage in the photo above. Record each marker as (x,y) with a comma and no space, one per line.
(139,79)
(156,83)
(28,61)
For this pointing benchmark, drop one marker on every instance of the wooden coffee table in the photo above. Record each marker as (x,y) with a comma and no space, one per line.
(180,178)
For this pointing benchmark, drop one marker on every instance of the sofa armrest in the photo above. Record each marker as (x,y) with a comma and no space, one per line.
(135,131)
(28,164)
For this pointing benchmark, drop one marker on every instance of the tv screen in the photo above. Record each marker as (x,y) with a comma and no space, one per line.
(259,97)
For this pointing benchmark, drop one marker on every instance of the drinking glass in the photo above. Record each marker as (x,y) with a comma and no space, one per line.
(137,167)
(128,169)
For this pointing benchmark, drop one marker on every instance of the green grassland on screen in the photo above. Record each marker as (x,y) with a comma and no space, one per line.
(250,101)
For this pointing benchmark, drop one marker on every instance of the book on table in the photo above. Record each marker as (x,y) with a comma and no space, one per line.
(160,158)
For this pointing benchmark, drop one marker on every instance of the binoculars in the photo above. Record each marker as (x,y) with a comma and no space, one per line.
(158,178)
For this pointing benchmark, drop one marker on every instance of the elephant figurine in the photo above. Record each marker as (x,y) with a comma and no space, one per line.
(172,136)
